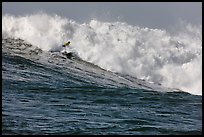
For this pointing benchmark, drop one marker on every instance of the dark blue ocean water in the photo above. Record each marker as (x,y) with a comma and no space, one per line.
(66,97)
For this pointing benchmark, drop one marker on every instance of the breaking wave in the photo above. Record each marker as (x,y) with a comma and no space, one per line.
(171,59)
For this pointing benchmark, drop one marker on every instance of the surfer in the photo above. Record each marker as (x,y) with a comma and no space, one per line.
(68,54)
(66,45)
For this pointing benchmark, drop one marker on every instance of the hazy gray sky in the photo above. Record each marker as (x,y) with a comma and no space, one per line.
(147,14)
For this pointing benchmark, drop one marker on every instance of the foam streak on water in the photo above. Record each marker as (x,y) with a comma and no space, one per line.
(172,59)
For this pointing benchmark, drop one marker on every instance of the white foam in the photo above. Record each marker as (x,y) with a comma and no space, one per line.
(172,59)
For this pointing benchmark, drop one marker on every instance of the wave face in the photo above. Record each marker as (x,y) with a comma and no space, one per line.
(171,59)
(45,93)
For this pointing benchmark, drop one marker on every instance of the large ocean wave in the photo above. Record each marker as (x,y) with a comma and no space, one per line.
(172,59)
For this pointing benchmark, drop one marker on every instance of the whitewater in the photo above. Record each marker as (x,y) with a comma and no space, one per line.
(172,59)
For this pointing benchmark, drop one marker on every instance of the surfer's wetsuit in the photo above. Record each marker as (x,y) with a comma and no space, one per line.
(66,44)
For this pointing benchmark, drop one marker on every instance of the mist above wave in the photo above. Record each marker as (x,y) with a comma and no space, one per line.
(172,59)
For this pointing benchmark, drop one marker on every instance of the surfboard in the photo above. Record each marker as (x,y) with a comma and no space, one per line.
(70,55)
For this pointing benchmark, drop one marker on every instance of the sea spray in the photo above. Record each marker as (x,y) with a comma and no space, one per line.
(172,59)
